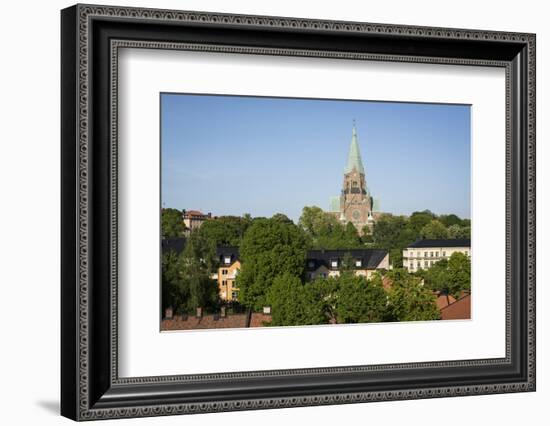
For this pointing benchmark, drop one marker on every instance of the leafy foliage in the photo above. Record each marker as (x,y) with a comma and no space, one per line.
(409,299)
(459,274)
(324,230)
(457,231)
(452,276)
(359,300)
(172,223)
(434,230)
(294,303)
(174,292)
(225,230)
(270,247)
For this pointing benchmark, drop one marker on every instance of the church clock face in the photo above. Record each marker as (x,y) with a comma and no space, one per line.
(356,214)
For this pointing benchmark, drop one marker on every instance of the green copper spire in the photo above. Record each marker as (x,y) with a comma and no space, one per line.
(354,156)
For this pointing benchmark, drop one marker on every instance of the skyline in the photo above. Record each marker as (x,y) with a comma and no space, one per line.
(231,155)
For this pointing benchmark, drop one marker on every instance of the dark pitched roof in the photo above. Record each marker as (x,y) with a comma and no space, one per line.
(224,251)
(458,242)
(173,244)
(370,258)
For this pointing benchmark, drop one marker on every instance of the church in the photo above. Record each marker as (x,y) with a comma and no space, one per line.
(355,203)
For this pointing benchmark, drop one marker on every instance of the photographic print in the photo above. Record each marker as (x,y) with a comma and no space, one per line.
(307,212)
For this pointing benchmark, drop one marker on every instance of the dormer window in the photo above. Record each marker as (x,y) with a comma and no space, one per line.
(334,264)
(358,263)
(311,264)
(227,260)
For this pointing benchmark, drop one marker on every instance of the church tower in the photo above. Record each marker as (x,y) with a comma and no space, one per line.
(356,203)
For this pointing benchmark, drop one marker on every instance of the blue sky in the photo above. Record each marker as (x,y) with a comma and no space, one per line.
(231,155)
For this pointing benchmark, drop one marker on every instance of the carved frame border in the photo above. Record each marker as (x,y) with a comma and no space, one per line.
(85,13)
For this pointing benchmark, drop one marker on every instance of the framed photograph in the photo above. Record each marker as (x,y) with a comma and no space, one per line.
(263,212)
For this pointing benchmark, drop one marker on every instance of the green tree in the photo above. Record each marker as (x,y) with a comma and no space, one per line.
(174,291)
(393,233)
(359,300)
(434,230)
(270,247)
(457,231)
(418,220)
(387,230)
(351,235)
(324,230)
(409,299)
(459,274)
(279,217)
(225,230)
(295,303)
(436,277)
(198,261)
(450,220)
(172,223)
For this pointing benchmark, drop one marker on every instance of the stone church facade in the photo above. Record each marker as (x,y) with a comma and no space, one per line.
(355,203)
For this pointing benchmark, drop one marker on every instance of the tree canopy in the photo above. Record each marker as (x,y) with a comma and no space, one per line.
(451,276)
(225,230)
(409,299)
(324,230)
(359,300)
(172,223)
(295,303)
(270,247)
(186,280)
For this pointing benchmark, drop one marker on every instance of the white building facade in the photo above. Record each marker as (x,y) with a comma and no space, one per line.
(423,254)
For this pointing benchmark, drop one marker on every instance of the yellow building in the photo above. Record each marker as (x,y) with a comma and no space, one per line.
(423,254)
(328,263)
(228,268)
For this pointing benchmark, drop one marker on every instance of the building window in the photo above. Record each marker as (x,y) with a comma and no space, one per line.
(358,263)
(311,264)
(234,294)
(425,264)
(425,254)
(436,254)
(431,254)
(224,282)
(224,271)
(444,254)
(323,274)
(334,263)
(227,260)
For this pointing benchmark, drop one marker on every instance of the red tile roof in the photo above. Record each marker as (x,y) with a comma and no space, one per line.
(205,322)
(444,300)
(257,319)
(457,310)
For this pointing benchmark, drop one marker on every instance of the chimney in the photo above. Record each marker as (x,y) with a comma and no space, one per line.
(222,312)
(168,313)
(199,312)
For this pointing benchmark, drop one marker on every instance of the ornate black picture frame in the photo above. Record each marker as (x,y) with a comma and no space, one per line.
(91,36)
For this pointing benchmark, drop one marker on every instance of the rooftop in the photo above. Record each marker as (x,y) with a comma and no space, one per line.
(461,309)
(458,242)
(354,155)
(370,258)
